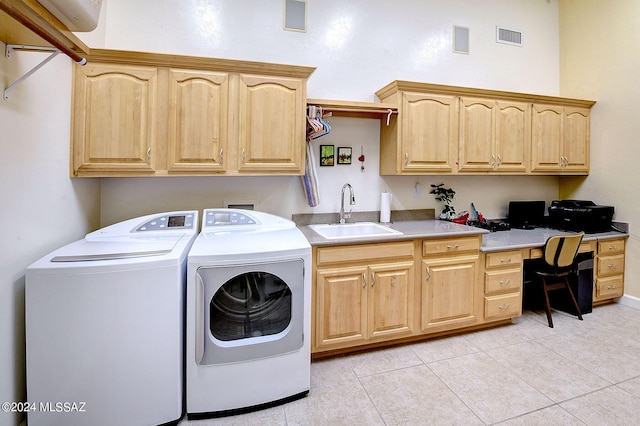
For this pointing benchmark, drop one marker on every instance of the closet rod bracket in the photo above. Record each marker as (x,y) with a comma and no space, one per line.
(19,47)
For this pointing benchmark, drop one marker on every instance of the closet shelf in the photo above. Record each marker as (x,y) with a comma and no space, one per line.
(26,22)
(376,110)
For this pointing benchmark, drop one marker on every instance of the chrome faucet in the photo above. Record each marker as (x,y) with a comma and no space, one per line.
(352,201)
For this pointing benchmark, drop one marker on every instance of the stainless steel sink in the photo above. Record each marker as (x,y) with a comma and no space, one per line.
(353,230)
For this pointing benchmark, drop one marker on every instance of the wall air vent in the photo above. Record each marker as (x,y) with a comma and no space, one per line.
(507,36)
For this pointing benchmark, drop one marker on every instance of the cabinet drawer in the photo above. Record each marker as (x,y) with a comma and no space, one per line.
(609,265)
(503,306)
(609,287)
(607,247)
(450,245)
(502,280)
(504,258)
(364,252)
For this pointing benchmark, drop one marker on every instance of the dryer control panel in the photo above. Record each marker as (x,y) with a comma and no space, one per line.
(227,217)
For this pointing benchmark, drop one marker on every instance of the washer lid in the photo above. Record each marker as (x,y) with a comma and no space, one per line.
(87,250)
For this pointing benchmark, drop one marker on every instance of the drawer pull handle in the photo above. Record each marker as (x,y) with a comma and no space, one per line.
(612,266)
(505,282)
(506,306)
(505,260)
(453,246)
(611,287)
(613,247)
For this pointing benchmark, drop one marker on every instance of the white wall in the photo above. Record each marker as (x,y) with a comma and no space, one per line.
(42,208)
(358,47)
(599,44)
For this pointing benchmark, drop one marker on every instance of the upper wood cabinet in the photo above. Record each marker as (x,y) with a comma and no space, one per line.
(560,139)
(114,119)
(272,114)
(423,136)
(146,114)
(448,129)
(196,144)
(494,135)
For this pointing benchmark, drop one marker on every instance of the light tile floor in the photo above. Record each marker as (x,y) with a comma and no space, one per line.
(578,373)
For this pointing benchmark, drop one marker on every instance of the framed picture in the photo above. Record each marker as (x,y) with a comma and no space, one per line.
(344,155)
(327,155)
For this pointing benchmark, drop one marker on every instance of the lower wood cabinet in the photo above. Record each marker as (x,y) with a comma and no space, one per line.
(609,270)
(448,291)
(371,294)
(503,284)
(362,294)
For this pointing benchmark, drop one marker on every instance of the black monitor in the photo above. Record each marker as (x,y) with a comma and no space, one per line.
(525,214)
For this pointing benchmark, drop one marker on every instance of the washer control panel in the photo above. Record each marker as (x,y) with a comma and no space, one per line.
(168,222)
(227,217)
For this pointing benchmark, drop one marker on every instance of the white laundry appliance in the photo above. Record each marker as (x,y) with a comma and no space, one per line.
(248,313)
(105,325)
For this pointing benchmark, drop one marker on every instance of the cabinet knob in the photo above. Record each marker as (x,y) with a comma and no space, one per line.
(149,155)
(406,158)
(428,273)
(221,157)
(364,280)
(243,158)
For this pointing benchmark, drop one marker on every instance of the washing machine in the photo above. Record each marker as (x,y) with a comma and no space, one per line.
(248,313)
(105,325)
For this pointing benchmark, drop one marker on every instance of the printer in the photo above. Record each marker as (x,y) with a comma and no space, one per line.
(578,215)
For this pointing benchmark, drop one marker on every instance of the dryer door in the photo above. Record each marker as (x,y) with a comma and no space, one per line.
(249,311)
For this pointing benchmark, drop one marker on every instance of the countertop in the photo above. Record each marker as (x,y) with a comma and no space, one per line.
(491,241)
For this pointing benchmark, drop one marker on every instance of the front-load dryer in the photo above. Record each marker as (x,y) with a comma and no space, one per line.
(248,313)
(105,325)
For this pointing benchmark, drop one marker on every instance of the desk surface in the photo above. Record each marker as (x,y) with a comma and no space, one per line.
(532,238)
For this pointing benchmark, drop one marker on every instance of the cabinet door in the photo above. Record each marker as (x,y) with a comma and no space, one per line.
(114,120)
(513,136)
(576,140)
(391,299)
(448,292)
(429,133)
(271,124)
(341,306)
(546,138)
(197,123)
(477,135)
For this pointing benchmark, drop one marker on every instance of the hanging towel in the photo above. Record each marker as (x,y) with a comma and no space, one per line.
(310,178)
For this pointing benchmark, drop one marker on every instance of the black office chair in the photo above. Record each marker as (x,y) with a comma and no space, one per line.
(558,263)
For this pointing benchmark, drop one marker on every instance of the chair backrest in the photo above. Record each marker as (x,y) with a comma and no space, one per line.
(560,251)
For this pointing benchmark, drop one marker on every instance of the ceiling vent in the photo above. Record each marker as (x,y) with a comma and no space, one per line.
(76,15)
(507,36)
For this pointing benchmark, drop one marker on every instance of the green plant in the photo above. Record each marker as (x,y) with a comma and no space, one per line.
(444,195)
